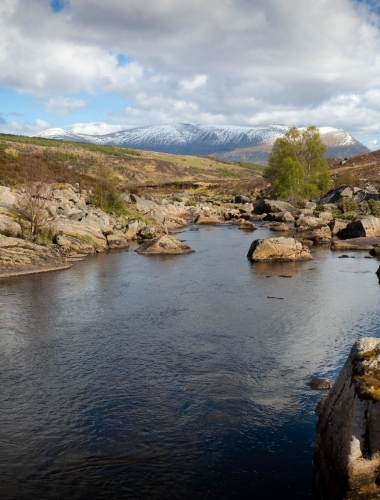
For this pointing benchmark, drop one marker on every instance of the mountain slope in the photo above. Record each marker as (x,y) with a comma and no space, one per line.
(231,142)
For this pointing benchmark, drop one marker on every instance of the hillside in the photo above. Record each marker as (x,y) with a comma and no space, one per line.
(231,142)
(79,162)
(359,169)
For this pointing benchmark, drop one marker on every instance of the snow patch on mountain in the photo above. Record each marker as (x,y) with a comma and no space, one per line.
(201,139)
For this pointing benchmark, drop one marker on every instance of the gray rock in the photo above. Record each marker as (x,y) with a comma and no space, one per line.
(320,384)
(366,227)
(347,446)
(146,232)
(278,249)
(164,245)
(9,227)
(273,206)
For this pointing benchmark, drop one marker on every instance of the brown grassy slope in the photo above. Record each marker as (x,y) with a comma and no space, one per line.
(70,162)
(357,170)
(15,169)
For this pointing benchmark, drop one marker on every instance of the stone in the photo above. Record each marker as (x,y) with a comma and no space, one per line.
(278,226)
(320,384)
(9,227)
(360,244)
(247,226)
(207,219)
(131,230)
(316,234)
(278,249)
(69,244)
(347,445)
(309,222)
(284,217)
(241,199)
(17,254)
(146,232)
(163,245)
(367,227)
(337,225)
(326,216)
(117,241)
(273,206)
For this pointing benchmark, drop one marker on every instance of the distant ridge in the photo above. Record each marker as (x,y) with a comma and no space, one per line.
(231,142)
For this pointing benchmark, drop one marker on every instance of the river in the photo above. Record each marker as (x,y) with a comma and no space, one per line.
(177,377)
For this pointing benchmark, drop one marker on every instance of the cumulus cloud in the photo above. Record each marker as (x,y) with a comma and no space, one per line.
(95,128)
(221,61)
(23,128)
(195,83)
(62,106)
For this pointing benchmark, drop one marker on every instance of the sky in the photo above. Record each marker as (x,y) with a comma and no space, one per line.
(95,66)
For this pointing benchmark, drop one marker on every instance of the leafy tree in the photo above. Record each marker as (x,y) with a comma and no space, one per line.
(297,165)
(107,194)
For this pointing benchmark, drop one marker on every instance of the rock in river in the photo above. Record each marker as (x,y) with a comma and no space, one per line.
(278,249)
(347,446)
(163,245)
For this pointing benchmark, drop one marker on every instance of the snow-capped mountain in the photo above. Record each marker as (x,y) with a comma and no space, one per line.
(250,142)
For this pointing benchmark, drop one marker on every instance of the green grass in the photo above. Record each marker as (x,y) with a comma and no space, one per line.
(229,172)
(54,143)
(61,156)
(136,215)
(252,166)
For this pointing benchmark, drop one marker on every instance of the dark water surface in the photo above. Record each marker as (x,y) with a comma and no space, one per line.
(170,378)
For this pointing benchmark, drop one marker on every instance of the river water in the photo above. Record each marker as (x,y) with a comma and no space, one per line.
(140,377)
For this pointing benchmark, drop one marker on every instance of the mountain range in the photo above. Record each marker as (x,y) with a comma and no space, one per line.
(251,143)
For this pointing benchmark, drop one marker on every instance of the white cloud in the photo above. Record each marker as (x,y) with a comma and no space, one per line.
(197,82)
(26,128)
(62,106)
(221,61)
(97,128)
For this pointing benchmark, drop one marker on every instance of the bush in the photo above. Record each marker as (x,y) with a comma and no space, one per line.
(374,208)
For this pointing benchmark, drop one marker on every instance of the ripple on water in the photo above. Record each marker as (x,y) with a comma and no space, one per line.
(132,377)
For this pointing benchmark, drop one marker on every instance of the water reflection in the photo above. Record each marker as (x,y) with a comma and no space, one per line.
(136,377)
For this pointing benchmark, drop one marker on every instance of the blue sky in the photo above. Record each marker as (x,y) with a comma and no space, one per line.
(96,67)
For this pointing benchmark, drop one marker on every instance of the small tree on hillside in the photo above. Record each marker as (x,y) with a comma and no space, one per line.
(297,165)
(107,193)
(32,203)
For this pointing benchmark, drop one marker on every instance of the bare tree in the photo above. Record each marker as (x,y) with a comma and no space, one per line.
(32,203)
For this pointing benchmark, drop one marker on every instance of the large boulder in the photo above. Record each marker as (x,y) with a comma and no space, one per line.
(360,244)
(337,225)
(347,446)
(70,244)
(273,206)
(9,227)
(163,245)
(278,249)
(316,234)
(20,255)
(365,227)
(207,219)
(309,222)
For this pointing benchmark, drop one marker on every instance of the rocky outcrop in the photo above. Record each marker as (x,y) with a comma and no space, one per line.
(278,249)
(279,227)
(316,234)
(347,446)
(207,219)
(337,225)
(20,255)
(365,227)
(9,226)
(163,245)
(273,206)
(247,226)
(360,244)
(348,192)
